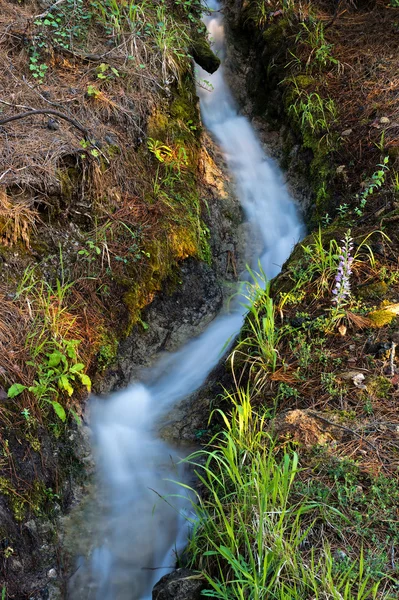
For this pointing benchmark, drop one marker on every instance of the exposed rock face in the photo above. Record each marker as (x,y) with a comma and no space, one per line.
(182,584)
(186,306)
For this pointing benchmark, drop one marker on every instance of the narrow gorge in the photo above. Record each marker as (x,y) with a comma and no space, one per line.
(199,286)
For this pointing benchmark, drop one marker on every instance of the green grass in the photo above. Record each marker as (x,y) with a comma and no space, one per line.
(252,536)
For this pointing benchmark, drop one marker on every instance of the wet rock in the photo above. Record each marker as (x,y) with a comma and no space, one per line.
(182,584)
(203,55)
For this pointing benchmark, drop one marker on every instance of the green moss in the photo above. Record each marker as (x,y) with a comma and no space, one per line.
(379,318)
(107,351)
(202,52)
(17,502)
(275,34)
(69,179)
(304,81)
(379,387)
(373,291)
(33,441)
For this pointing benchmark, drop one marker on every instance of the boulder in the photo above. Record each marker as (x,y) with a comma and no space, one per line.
(202,53)
(182,584)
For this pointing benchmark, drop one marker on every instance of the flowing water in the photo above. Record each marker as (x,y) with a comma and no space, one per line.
(143,532)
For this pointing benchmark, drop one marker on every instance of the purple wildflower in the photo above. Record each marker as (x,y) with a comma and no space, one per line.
(342,287)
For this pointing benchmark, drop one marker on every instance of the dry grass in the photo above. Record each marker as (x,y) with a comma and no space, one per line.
(17,219)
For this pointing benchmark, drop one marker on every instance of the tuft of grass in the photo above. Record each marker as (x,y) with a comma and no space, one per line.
(251,537)
(257,345)
(17,220)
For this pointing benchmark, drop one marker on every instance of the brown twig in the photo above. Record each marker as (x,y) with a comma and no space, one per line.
(43,111)
(48,10)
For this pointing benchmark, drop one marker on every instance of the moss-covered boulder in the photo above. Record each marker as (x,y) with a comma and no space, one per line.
(203,54)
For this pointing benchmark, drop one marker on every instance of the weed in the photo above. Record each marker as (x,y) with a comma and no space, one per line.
(301,349)
(286,392)
(250,534)
(312,35)
(330,385)
(106,72)
(314,114)
(376,182)
(54,375)
(257,345)
(37,68)
(160,150)
(91,252)
(343,210)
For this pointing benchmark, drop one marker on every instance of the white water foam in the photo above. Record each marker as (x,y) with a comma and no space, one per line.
(144,531)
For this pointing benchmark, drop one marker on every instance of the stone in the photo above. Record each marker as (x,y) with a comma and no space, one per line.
(202,53)
(384,121)
(182,584)
(347,132)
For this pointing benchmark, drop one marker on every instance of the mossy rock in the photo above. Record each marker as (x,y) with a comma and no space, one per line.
(380,318)
(202,53)
(379,387)
(275,34)
(373,291)
(304,81)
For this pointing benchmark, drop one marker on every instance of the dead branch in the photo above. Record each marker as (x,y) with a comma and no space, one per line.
(48,10)
(43,111)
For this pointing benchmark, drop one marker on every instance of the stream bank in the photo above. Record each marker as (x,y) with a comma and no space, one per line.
(119,204)
(312,416)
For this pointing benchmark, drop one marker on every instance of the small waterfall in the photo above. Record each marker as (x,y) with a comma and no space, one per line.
(143,531)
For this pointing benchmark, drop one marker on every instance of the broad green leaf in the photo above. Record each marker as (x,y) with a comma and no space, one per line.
(86,381)
(54,359)
(77,367)
(64,384)
(58,409)
(15,390)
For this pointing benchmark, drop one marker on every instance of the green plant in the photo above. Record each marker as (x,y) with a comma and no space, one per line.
(314,114)
(90,145)
(286,392)
(343,210)
(105,72)
(258,343)
(301,349)
(329,384)
(321,262)
(37,68)
(56,374)
(91,252)
(250,533)
(376,182)
(160,150)
(26,414)
(192,8)
(312,35)
(326,220)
